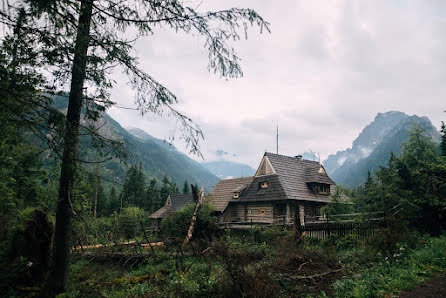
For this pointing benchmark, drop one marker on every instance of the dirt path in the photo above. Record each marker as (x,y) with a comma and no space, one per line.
(435,287)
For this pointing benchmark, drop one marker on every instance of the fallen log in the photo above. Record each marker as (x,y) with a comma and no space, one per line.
(134,243)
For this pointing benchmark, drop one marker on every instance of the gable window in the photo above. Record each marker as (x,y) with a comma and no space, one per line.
(263,184)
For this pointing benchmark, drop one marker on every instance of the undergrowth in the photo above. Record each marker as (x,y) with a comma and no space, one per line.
(266,263)
(402,270)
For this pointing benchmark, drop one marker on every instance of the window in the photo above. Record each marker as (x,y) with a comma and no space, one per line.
(322,189)
(263,184)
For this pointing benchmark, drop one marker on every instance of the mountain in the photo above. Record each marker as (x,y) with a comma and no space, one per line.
(373,146)
(227,169)
(157,157)
(160,157)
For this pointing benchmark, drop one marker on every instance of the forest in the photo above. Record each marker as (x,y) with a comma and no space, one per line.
(69,230)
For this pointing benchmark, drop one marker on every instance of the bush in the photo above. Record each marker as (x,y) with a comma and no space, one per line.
(269,235)
(177,223)
(130,221)
(25,261)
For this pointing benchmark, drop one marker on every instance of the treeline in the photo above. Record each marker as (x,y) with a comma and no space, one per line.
(410,192)
(137,191)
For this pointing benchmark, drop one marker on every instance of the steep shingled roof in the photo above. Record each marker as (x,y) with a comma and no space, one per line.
(316,173)
(254,192)
(177,201)
(294,173)
(222,193)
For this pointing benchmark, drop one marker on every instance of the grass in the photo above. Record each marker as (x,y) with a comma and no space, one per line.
(392,274)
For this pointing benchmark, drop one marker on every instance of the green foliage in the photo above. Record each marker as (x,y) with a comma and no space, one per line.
(21,170)
(414,181)
(339,204)
(176,224)
(153,196)
(25,253)
(133,191)
(443,139)
(269,235)
(400,271)
(130,221)
(167,187)
(186,187)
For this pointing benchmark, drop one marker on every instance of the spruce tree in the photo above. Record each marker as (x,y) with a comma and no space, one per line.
(186,187)
(153,196)
(114,202)
(443,140)
(133,190)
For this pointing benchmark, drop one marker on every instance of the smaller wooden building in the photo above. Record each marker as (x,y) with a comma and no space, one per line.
(174,202)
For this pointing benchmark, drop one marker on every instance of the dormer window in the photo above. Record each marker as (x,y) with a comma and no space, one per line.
(323,189)
(235,195)
(263,184)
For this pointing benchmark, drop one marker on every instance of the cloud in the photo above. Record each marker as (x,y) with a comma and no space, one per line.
(324,72)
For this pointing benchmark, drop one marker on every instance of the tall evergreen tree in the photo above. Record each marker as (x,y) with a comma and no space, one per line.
(153,196)
(186,187)
(443,139)
(81,41)
(114,202)
(133,190)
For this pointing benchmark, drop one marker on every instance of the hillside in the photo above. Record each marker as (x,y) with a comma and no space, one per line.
(373,146)
(157,157)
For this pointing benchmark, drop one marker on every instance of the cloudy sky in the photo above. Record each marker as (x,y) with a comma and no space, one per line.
(324,72)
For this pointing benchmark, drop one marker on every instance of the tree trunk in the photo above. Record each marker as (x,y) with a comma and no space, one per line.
(96,192)
(199,200)
(58,278)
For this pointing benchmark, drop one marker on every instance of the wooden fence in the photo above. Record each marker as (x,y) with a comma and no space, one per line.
(341,229)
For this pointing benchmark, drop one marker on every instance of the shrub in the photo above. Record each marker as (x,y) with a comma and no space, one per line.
(26,259)
(269,235)
(129,221)
(177,223)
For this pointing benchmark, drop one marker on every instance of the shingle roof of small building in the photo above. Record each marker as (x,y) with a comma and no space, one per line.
(177,201)
(222,193)
(180,200)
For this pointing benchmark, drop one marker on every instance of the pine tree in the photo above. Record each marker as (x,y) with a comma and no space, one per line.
(133,190)
(186,187)
(166,188)
(114,202)
(443,140)
(81,41)
(153,196)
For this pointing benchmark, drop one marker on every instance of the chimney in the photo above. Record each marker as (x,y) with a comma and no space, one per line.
(299,157)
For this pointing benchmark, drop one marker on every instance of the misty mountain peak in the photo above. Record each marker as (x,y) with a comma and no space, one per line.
(373,146)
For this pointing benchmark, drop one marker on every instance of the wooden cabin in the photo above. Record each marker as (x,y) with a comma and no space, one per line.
(174,202)
(282,189)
